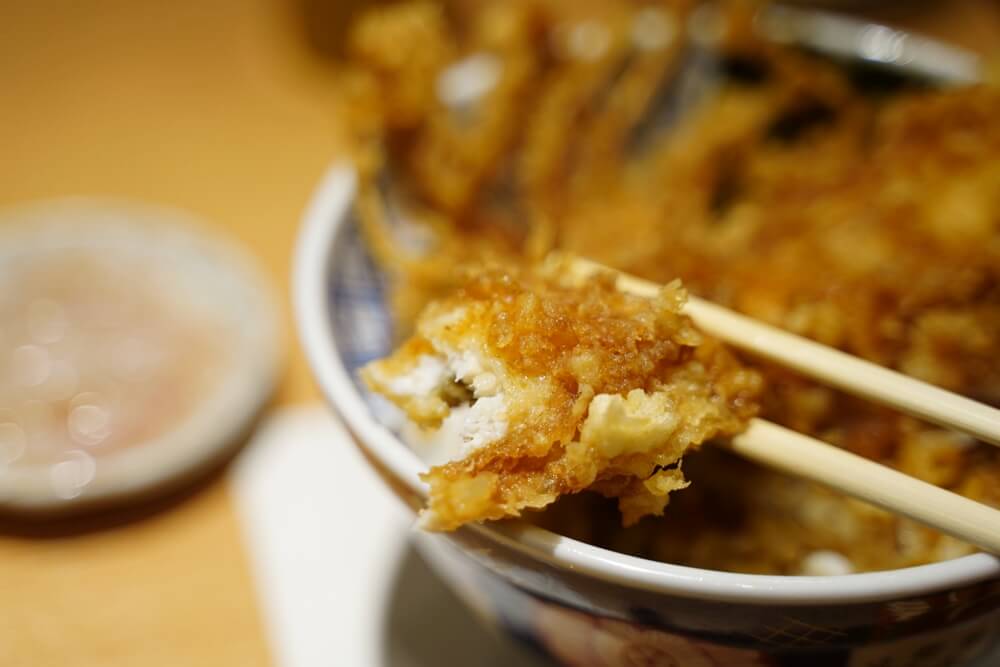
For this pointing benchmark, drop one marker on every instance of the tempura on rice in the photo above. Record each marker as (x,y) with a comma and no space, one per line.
(855,209)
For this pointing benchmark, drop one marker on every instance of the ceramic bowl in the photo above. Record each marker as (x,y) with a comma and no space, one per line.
(584,605)
(192,272)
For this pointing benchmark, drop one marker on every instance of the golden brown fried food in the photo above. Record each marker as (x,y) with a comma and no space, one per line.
(869,221)
(548,389)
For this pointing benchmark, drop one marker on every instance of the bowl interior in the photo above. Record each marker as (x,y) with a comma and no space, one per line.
(359,310)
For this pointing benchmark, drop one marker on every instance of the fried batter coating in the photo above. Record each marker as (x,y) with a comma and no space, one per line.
(554,389)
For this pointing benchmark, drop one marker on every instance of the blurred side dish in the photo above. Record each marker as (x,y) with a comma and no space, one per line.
(665,139)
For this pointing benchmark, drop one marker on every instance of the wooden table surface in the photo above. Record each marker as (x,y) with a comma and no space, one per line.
(216,106)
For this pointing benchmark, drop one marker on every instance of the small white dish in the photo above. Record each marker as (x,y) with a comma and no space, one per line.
(199,276)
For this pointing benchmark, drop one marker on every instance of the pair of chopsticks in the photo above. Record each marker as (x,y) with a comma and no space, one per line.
(783,449)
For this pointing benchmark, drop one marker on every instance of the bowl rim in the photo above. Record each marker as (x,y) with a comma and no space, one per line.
(323,219)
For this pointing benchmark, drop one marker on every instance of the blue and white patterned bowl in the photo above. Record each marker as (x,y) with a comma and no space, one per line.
(584,605)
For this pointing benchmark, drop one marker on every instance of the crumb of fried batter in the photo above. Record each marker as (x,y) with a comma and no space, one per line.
(552,389)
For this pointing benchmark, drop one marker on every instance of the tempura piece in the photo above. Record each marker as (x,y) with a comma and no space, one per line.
(549,389)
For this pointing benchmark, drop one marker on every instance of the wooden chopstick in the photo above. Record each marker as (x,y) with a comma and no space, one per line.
(780,448)
(792,452)
(838,369)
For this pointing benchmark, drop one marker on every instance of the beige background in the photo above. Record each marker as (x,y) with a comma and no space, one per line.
(214,106)
(219,107)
